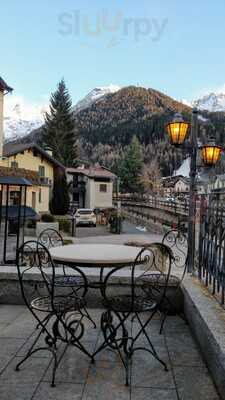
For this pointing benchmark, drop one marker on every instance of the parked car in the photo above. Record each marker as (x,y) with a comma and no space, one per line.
(85,216)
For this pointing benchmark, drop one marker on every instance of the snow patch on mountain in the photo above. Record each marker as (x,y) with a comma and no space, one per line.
(21,118)
(93,96)
(184,169)
(212,102)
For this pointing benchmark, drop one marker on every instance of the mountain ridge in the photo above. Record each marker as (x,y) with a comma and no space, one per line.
(106,127)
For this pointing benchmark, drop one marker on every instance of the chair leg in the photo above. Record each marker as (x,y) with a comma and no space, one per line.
(162,323)
(30,353)
(152,351)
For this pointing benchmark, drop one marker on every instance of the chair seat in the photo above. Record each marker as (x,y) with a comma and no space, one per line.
(160,280)
(61,303)
(124,303)
(69,281)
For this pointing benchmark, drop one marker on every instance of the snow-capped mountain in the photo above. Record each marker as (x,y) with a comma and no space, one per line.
(212,102)
(93,96)
(21,118)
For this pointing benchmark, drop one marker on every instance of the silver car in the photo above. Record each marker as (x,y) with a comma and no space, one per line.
(85,216)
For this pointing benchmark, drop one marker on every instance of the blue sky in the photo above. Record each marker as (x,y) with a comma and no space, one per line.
(171,45)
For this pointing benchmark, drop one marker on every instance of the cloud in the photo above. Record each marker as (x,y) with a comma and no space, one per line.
(18,107)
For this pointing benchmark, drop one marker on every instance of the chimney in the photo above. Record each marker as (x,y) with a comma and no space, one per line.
(4,89)
(49,151)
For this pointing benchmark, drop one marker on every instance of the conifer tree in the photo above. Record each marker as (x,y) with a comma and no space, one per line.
(131,168)
(59,130)
(60,201)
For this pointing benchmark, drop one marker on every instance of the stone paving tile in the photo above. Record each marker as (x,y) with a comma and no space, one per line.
(8,349)
(106,378)
(183,350)
(41,343)
(194,383)
(9,313)
(153,394)
(63,391)
(16,390)
(175,324)
(21,327)
(106,372)
(31,371)
(107,391)
(73,367)
(152,373)
(106,355)
(153,332)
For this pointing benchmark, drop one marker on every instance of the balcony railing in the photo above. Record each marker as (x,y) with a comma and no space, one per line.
(211,260)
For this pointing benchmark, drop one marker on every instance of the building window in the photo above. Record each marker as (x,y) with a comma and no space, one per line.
(14,198)
(14,164)
(34,200)
(39,196)
(41,171)
(103,188)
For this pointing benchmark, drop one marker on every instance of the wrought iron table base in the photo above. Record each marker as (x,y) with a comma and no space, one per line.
(125,345)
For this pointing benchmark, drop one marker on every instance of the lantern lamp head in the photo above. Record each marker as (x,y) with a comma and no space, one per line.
(211,153)
(177,130)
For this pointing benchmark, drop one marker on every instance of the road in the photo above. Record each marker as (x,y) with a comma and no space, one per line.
(101,230)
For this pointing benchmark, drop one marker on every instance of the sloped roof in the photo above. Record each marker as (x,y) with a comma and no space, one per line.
(15,173)
(10,149)
(92,172)
(4,87)
(172,180)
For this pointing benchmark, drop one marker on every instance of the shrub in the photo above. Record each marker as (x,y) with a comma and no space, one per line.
(47,218)
(31,224)
(65,225)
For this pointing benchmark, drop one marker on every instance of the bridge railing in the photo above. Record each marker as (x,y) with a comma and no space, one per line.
(173,205)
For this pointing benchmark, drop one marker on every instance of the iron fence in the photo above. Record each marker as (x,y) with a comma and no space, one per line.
(211,255)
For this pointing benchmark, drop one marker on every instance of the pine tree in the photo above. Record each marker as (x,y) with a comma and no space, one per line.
(131,168)
(60,201)
(59,131)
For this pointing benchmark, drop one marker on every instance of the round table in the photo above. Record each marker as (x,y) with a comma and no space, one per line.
(96,256)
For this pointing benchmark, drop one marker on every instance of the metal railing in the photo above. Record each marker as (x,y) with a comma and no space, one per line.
(177,206)
(211,255)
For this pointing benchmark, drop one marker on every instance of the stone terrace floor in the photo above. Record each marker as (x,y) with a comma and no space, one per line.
(77,379)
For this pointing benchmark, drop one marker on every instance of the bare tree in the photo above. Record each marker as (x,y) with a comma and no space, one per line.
(150,177)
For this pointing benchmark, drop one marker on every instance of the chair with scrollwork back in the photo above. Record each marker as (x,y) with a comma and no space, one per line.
(54,312)
(176,240)
(77,283)
(128,304)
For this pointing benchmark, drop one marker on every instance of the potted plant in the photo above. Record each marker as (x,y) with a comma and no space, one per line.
(47,222)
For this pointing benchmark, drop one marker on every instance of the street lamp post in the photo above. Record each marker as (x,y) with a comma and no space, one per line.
(177,131)
(192,194)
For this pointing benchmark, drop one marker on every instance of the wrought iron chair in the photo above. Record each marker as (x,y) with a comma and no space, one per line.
(77,283)
(176,240)
(124,308)
(59,315)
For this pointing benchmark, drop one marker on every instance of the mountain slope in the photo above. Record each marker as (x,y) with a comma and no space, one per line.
(129,108)
(95,95)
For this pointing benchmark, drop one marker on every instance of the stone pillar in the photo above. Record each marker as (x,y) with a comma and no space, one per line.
(1,124)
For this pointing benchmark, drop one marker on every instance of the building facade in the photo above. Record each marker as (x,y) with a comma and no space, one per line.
(175,185)
(91,187)
(23,159)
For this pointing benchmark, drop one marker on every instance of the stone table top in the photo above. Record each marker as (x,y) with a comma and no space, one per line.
(95,254)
